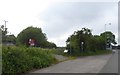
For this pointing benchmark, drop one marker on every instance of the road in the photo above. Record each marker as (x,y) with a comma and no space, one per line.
(111,65)
(89,64)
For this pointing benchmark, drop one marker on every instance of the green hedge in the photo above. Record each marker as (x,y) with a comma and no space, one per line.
(20,59)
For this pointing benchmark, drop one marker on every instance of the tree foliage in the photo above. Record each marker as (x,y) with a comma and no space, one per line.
(33,33)
(6,38)
(4,33)
(51,45)
(109,37)
(11,39)
(77,42)
(83,41)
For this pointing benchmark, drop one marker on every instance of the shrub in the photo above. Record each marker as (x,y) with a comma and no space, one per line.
(20,59)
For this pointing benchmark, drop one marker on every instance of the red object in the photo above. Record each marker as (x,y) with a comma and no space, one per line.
(32,42)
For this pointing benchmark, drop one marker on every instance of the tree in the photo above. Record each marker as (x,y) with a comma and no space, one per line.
(99,42)
(11,39)
(77,42)
(50,45)
(4,33)
(7,38)
(33,33)
(109,38)
(82,41)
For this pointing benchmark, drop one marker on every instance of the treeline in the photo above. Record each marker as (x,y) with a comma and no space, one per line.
(37,37)
(82,41)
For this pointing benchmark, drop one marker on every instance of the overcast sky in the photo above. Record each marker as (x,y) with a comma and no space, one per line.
(59,19)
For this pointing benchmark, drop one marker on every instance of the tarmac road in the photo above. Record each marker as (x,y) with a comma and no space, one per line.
(89,64)
(112,64)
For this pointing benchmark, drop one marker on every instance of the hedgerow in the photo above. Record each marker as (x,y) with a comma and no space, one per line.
(17,60)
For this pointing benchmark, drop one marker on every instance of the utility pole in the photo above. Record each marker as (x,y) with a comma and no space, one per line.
(5,30)
(70,44)
(5,23)
(105,36)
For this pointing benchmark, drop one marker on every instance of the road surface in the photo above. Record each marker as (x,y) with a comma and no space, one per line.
(111,65)
(90,64)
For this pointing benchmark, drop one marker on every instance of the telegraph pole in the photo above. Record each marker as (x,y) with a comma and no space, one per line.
(105,36)
(70,44)
(5,30)
(5,23)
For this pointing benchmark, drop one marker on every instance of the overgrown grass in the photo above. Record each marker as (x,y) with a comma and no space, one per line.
(60,51)
(21,59)
(91,53)
(99,52)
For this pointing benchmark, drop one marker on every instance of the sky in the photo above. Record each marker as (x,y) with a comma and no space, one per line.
(60,18)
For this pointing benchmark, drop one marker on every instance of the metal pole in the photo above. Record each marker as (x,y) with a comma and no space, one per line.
(82,47)
(105,36)
(5,23)
(5,29)
(70,45)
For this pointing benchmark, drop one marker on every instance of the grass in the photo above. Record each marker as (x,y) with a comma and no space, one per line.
(60,51)
(97,52)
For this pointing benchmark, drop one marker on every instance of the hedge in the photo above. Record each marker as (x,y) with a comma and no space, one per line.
(18,60)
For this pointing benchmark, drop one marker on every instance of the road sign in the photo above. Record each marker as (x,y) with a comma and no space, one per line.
(32,42)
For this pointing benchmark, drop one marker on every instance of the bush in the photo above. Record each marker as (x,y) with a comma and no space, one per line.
(19,60)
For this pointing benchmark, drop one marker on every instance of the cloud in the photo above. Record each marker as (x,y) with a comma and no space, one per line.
(67,17)
(59,19)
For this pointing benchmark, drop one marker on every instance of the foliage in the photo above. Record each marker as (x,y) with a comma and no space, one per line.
(97,52)
(31,33)
(21,59)
(4,33)
(6,38)
(82,41)
(109,37)
(50,45)
(78,41)
(11,39)
(36,34)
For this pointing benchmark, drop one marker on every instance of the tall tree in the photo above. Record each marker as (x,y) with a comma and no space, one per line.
(77,42)
(109,38)
(82,41)
(35,34)
(32,33)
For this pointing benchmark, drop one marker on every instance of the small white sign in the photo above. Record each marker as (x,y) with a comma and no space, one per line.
(65,51)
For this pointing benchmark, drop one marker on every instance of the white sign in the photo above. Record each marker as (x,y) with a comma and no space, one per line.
(65,51)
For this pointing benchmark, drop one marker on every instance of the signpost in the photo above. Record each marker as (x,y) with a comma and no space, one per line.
(82,47)
(32,42)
